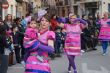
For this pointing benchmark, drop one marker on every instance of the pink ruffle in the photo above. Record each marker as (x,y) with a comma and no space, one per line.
(51,35)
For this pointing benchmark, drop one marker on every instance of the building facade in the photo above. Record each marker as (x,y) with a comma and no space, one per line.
(64,7)
(22,8)
(11,9)
(52,6)
(35,5)
(80,7)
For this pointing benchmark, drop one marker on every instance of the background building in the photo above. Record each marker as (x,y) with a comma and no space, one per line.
(64,7)
(22,8)
(52,6)
(80,7)
(10,10)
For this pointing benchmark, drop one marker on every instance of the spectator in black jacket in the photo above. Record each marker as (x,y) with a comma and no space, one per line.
(15,36)
(21,35)
(93,30)
(3,45)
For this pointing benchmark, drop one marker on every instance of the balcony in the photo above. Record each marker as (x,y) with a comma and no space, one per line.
(76,1)
(59,3)
(20,1)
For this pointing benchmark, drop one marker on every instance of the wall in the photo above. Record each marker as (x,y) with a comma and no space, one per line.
(11,9)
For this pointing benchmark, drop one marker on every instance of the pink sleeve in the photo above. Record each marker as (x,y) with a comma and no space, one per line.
(82,26)
(65,26)
(51,35)
(108,20)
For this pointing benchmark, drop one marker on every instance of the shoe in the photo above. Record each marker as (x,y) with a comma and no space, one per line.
(23,63)
(10,65)
(82,51)
(94,49)
(69,71)
(75,71)
(58,55)
(104,54)
(18,61)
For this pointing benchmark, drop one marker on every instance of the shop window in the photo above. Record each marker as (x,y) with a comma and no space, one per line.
(12,9)
(108,7)
(66,2)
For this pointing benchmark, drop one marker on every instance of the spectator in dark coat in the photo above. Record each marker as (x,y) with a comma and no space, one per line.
(21,35)
(58,41)
(3,45)
(15,36)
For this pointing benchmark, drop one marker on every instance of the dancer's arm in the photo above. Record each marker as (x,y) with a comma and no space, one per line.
(46,48)
(80,20)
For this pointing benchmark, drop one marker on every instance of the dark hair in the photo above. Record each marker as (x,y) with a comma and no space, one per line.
(13,27)
(46,16)
(52,16)
(32,19)
(2,30)
(83,16)
(6,17)
(28,14)
(17,19)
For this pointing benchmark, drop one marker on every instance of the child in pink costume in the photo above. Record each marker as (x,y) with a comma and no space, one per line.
(72,42)
(36,62)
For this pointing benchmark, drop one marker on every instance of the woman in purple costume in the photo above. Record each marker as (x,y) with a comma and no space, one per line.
(72,42)
(36,61)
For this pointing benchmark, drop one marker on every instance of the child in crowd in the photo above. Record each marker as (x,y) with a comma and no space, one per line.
(15,41)
(58,41)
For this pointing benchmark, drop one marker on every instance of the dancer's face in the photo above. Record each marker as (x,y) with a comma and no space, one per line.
(105,15)
(71,19)
(44,23)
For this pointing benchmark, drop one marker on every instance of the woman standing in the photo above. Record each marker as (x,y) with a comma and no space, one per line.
(37,61)
(72,42)
(104,35)
(48,39)
(3,55)
(8,22)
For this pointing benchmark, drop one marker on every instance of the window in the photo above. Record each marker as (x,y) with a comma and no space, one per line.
(5,12)
(12,9)
(66,2)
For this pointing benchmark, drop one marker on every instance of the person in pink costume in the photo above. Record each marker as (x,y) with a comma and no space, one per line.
(36,61)
(104,35)
(72,42)
(46,37)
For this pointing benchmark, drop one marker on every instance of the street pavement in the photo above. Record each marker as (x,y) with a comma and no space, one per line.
(90,62)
